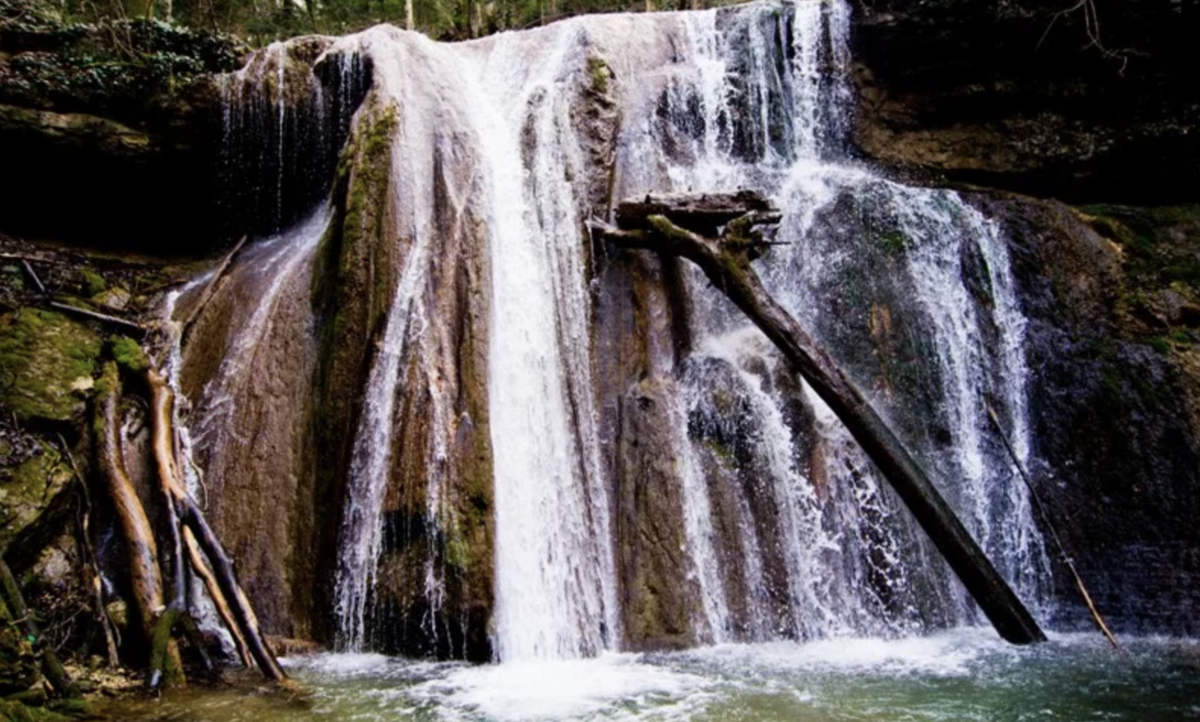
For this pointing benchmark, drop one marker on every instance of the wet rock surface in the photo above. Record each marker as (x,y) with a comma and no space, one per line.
(1114,400)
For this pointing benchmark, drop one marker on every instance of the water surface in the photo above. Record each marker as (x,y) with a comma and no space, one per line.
(964,674)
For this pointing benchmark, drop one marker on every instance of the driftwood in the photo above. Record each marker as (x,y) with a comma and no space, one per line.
(33,276)
(702,213)
(1063,556)
(140,548)
(645,225)
(200,568)
(90,566)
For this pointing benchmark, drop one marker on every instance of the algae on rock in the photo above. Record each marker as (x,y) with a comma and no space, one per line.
(46,361)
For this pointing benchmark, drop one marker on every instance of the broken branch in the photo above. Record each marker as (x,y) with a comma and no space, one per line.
(1045,517)
(114,320)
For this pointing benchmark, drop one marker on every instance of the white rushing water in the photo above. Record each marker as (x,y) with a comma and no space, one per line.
(551,563)
(862,569)
(555,595)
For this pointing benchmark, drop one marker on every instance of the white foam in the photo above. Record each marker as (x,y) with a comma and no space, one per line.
(340,665)
(947,654)
(614,686)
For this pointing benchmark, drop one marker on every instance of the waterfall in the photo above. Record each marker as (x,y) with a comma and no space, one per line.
(551,575)
(863,567)
(475,482)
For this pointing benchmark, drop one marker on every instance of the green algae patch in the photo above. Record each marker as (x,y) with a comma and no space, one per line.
(46,364)
(600,73)
(27,489)
(128,354)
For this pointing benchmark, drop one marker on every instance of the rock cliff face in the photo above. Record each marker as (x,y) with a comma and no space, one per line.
(1115,353)
(1083,102)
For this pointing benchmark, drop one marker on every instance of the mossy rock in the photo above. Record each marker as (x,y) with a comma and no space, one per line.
(18,664)
(13,711)
(28,489)
(92,283)
(46,365)
(128,354)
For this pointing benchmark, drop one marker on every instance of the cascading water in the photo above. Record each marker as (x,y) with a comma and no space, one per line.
(724,108)
(475,479)
(554,595)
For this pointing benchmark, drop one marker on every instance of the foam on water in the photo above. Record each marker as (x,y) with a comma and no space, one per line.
(611,686)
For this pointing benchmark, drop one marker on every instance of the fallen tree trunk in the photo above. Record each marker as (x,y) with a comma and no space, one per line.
(200,567)
(702,213)
(239,605)
(727,265)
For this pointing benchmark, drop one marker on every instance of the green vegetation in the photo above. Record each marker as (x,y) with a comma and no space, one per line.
(46,362)
(172,36)
(83,57)
(93,283)
(892,241)
(128,354)
(600,74)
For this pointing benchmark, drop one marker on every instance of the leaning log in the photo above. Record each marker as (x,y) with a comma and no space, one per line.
(727,266)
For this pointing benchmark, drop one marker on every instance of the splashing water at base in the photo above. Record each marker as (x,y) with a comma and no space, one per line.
(965,674)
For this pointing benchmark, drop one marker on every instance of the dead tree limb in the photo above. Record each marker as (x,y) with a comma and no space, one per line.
(243,613)
(90,566)
(33,276)
(200,568)
(1063,556)
(103,317)
(702,213)
(14,605)
(728,268)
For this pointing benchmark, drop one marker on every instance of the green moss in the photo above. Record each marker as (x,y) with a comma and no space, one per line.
(42,356)
(11,276)
(1160,344)
(724,451)
(109,380)
(1186,271)
(29,479)
(600,73)
(458,550)
(27,489)
(128,354)
(93,283)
